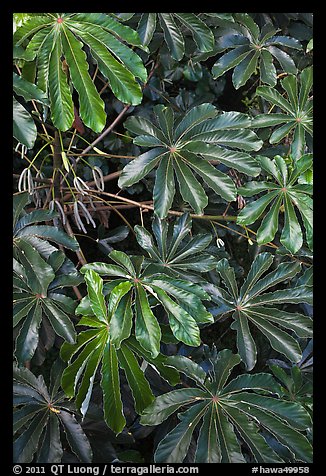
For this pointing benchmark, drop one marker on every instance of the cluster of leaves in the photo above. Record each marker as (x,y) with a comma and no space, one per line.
(110,352)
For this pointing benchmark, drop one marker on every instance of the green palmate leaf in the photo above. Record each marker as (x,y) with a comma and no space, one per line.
(51,449)
(180,299)
(253,307)
(60,322)
(159,363)
(96,347)
(36,306)
(223,364)
(121,320)
(217,181)
(62,107)
(267,69)
(182,147)
(229,60)
(282,193)
(52,38)
(188,367)
(166,404)
(26,444)
(229,417)
(39,421)
(252,49)
(298,110)
(208,449)
(111,24)
(256,443)
(284,59)
(230,447)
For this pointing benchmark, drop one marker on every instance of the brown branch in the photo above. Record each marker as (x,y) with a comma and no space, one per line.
(79,254)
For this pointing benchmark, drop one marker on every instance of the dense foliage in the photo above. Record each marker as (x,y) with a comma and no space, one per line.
(150,322)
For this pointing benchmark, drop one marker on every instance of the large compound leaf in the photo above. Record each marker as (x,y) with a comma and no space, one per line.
(283,192)
(53,38)
(229,417)
(181,300)
(252,306)
(183,148)
(250,49)
(37,420)
(175,252)
(102,347)
(297,117)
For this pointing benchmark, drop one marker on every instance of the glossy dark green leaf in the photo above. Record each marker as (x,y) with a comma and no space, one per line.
(121,321)
(230,447)
(173,447)
(245,342)
(191,190)
(91,105)
(110,383)
(188,367)
(166,372)
(230,60)
(267,68)
(252,307)
(39,273)
(28,337)
(59,320)
(51,233)
(139,386)
(147,329)
(172,35)
(76,437)
(248,432)
(26,444)
(261,381)
(146,27)
(244,70)
(51,450)
(27,90)
(201,33)
(208,449)
(164,189)
(62,109)
(138,168)
(183,325)
(24,128)
(95,292)
(122,82)
(166,404)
